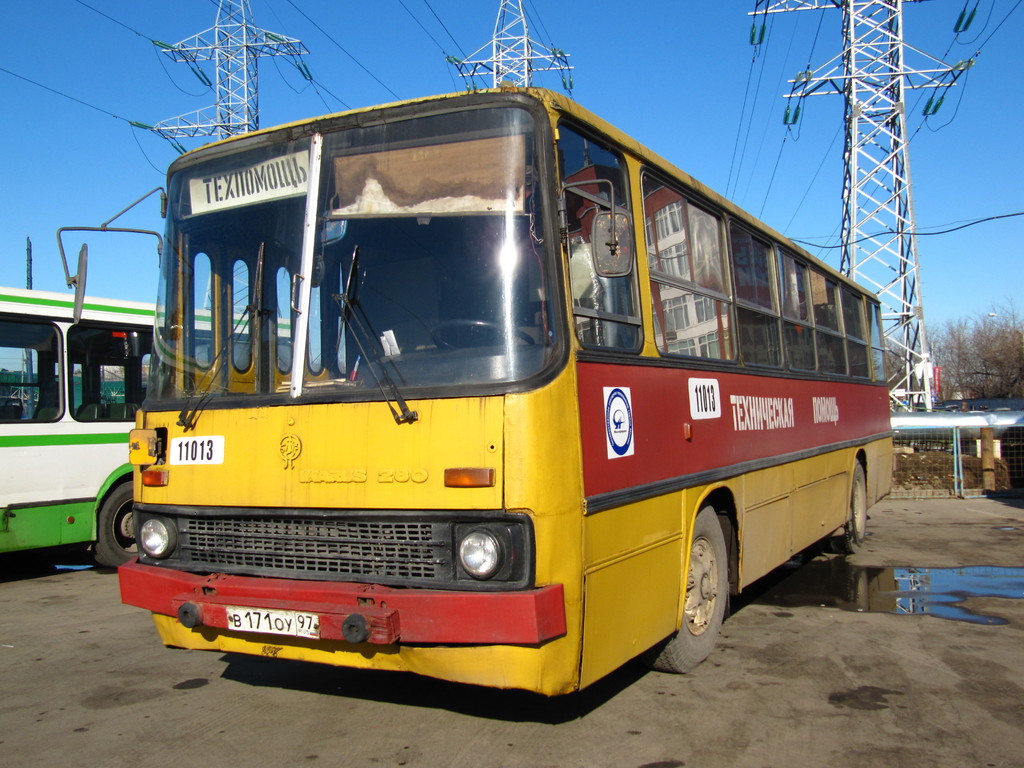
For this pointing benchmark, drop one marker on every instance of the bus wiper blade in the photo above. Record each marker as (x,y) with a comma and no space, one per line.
(189,414)
(354,316)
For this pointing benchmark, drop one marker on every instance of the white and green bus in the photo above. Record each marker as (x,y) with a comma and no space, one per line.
(68,396)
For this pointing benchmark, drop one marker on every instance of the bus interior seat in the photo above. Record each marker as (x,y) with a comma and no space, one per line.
(11,411)
(88,412)
(123,411)
(47,413)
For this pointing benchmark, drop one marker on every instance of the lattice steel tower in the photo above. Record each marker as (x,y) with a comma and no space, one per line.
(515,57)
(235,45)
(878,228)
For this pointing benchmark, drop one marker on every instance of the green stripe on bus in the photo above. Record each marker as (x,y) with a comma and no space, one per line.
(41,302)
(33,441)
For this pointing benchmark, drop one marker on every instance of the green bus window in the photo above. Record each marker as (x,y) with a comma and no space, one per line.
(29,372)
(109,366)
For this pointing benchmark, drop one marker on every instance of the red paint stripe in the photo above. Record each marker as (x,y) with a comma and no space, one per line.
(669,442)
(405,615)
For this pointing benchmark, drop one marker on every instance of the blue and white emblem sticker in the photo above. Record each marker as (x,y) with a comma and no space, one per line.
(618,421)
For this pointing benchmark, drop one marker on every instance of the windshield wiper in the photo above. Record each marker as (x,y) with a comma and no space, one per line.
(353,316)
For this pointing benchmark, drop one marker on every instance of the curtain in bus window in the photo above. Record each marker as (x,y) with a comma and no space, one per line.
(825,298)
(29,372)
(751,260)
(708,268)
(794,288)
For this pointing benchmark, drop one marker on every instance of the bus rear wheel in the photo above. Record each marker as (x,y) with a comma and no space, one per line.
(854,532)
(115,536)
(706,598)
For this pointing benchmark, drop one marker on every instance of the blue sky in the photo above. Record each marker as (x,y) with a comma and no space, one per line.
(681,77)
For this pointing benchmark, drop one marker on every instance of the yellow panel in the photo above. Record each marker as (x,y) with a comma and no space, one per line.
(765,536)
(631,604)
(613,533)
(818,510)
(550,668)
(330,456)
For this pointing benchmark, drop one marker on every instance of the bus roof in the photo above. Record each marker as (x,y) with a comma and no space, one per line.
(60,306)
(561,104)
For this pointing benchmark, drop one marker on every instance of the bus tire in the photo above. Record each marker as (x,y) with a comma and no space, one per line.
(706,599)
(854,532)
(115,536)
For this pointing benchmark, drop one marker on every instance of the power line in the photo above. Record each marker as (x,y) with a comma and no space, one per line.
(107,112)
(432,38)
(445,28)
(342,49)
(918,233)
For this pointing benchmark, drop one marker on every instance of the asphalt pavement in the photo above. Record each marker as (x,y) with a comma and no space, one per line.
(907,654)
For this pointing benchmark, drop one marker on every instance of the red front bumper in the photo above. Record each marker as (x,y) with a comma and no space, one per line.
(392,615)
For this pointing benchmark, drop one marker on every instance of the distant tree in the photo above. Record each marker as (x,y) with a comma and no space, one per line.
(981,357)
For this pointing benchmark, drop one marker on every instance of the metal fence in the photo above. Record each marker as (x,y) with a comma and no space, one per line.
(946,461)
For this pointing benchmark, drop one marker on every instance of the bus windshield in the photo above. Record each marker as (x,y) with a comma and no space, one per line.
(428,266)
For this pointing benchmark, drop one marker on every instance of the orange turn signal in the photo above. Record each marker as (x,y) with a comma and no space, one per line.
(469,477)
(155,478)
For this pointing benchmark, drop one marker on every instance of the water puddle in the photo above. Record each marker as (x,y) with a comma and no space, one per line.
(941,592)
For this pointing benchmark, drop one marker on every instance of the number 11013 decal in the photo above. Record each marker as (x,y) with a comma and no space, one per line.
(207,449)
(705,399)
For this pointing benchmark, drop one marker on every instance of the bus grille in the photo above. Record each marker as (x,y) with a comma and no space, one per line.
(319,548)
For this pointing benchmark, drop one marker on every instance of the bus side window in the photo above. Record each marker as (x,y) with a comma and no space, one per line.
(604,308)
(689,287)
(825,298)
(29,378)
(758,322)
(856,338)
(797,333)
(109,366)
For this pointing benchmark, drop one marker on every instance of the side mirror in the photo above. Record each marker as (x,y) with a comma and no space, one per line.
(611,237)
(83,263)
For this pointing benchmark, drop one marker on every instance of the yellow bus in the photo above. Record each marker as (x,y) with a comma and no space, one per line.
(477,387)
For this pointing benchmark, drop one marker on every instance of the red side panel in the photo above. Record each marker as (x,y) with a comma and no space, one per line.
(646,424)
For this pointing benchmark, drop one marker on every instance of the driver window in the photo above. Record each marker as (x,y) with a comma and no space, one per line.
(604,308)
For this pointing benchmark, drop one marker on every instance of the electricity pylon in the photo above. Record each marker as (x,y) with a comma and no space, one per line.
(879,236)
(235,45)
(515,57)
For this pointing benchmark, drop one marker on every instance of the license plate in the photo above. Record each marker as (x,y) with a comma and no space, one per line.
(295,623)
(197,450)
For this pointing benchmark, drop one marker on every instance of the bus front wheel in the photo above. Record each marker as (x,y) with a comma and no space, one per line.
(707,595)
(115,537)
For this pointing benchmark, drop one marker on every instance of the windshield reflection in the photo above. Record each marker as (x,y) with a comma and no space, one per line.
(452,283)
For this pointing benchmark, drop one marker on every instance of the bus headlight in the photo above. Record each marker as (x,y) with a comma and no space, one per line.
(480,553)
(157,538)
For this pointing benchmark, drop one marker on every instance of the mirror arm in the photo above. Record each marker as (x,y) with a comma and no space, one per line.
(614,244)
